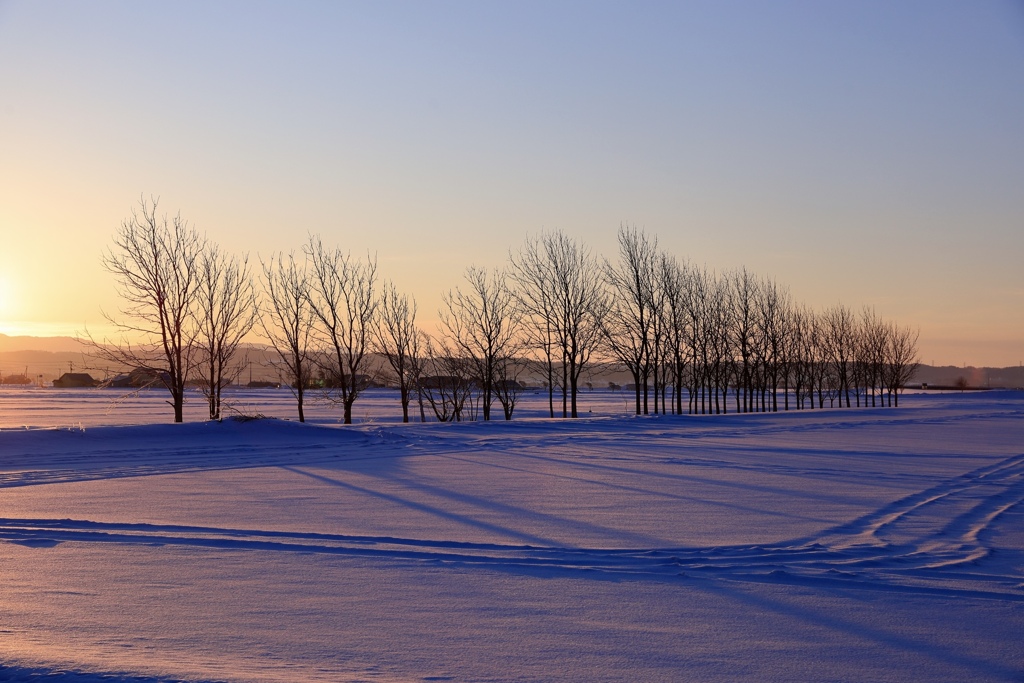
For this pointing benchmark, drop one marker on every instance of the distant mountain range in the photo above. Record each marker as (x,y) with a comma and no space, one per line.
(978,378)
(44,359)
(49,357)
(52,344)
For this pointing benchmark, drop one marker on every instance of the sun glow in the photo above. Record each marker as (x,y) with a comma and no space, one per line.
(13,310)
(6,299)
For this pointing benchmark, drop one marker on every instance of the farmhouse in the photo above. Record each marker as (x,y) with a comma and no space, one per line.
(74,380)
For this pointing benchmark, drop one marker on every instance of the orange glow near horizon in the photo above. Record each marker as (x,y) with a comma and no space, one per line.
(28,328)
(10,304)
(35,328)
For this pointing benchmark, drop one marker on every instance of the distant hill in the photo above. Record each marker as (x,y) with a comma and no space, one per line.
(50,357)
(51,344)
(947,375)
(47,358)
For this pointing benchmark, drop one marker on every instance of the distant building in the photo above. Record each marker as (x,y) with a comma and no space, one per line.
(259,384)
(74,380)
(440,381)
(140,377)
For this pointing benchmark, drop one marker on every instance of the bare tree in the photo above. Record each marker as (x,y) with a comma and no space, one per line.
(397,339)
(839,333)
(581,303)
(674,279)
(507,387)
(627,323)
(155,262)
(869,343)
(720,341)
(535,294)
(481,324)
(902,361)
(803,355)
(772,310)
(417,367)
(344,303)
(658,348)
(744,294)
(562,299)
(225,312)
(699,308)
(448,387)
(287,322)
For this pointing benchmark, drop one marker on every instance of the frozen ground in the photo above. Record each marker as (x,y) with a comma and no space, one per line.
(882,545)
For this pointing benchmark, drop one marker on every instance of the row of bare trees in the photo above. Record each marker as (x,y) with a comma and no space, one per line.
(326,312)
(693,341)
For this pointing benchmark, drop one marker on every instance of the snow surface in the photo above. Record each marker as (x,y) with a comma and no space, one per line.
(846,545)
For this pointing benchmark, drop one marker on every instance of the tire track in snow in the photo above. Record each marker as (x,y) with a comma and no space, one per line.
(965,500)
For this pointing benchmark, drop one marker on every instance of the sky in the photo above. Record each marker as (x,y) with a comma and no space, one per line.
(868,153)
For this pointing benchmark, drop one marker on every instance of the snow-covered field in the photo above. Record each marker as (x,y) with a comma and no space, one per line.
(859,545)
(49,407)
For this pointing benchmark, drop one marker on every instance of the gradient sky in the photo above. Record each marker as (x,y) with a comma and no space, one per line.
(862,152)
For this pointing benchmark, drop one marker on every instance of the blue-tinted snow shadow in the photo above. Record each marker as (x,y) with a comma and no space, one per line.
(494,445)
(626,487)
(567,528)
(790,602)
(9,673)
(615,443)
(692,479)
